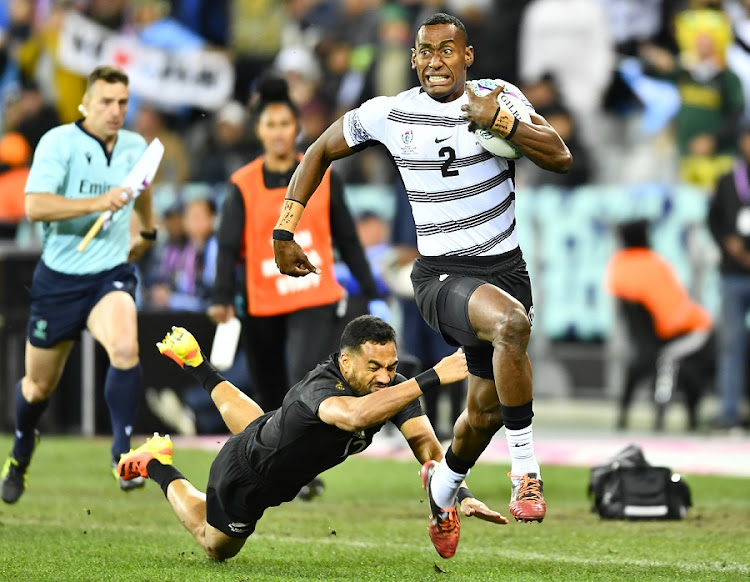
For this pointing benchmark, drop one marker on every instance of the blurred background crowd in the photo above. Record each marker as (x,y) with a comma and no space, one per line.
(651,96)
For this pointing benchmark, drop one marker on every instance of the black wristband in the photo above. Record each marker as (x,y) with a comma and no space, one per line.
(494,119)
(149,235)
(513,129)
(281,234)
(206,374)
(428,379)
(463,493)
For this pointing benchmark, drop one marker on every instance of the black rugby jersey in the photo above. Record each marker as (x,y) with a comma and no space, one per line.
(294,445)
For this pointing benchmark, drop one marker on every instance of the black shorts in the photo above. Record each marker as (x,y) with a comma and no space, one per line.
(443,286)
(236,495)
(61,303)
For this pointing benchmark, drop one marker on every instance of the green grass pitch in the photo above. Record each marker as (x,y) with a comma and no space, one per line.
(73,524)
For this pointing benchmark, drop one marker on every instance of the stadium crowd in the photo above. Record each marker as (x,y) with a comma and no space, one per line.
(642,91)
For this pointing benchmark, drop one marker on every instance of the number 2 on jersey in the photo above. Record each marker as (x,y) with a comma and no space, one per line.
(451,153)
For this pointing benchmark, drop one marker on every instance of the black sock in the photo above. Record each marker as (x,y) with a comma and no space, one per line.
(206,374)
(27,417)
(517,417)
(162,474)
(455,464)
(122,392)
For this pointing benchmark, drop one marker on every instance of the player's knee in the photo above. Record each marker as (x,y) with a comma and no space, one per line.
(512,328)
(123,353)
(37,389)
(485,421)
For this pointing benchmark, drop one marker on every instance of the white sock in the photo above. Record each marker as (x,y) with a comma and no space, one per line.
(521,447)
(444,485)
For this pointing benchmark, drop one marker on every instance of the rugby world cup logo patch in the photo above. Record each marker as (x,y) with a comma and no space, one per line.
(407,137)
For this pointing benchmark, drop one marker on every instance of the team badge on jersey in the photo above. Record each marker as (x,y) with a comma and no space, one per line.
(407,138)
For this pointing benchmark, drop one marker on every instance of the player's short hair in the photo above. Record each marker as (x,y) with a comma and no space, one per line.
(363,329)
(108,74)
(443,18)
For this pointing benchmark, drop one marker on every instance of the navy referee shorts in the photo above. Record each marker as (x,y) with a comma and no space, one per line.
(61,303)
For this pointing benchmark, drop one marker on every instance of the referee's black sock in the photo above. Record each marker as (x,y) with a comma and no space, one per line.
(162,474)
(206,374)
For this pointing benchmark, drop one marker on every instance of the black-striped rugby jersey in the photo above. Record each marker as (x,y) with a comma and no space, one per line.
(462,197)
(294,445)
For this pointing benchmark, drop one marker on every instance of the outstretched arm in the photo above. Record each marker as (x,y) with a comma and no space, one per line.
(420,435)
(353,413)
(330,146)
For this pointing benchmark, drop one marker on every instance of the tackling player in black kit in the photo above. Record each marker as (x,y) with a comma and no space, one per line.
(332,413)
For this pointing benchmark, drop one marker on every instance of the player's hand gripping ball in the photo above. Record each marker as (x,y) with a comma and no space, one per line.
(509,101)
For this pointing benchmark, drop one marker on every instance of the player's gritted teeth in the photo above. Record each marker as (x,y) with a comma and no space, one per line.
(438,79)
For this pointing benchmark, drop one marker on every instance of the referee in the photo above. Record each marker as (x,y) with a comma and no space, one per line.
(75,176)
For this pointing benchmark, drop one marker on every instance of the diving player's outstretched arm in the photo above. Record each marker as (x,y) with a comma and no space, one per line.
(353,413)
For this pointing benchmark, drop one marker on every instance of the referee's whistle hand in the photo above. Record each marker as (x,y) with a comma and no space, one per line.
(114,199)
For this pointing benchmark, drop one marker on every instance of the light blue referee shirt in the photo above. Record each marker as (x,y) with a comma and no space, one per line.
(73,163)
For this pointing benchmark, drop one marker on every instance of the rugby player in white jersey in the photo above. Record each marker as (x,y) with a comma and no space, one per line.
(470,281)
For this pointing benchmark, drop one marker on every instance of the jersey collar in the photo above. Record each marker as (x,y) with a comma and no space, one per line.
(107,154)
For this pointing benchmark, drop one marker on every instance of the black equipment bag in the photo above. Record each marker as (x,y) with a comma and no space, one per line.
(627,487)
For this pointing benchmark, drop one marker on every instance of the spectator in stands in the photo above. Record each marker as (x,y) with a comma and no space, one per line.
(186,275)
(168,247)
(729,221)
(571,40)
(544,95)
(36,116)
(222,146)
(392,69)
(175,165)
(671,335)
(255,33)
(494,27)
(14,170)
(372,232)
(712,98)
(64,87)
(208,19)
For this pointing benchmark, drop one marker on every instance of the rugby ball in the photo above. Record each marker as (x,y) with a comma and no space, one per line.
(510,101)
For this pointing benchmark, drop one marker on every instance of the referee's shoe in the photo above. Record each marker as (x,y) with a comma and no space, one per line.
(14,475)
